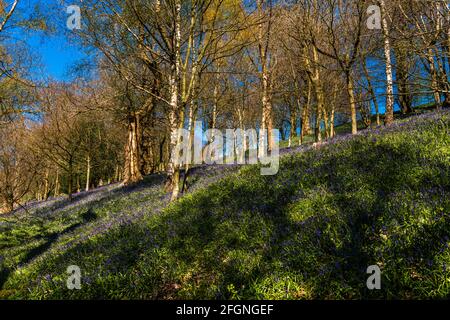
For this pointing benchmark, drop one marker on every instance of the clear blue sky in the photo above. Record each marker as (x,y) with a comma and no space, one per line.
(56,53)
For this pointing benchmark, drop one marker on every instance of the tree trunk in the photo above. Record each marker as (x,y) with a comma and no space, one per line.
(447,51)
(46,185)
(306,129)
(132,172)
(241,124)
(88,172)
(57,183)
(70,180)
(173,170)
(116,174)
(443,83)
(332,112)
(317,130)
(267,110)
(215,102)
(267,117)
(191,129)
(266,120)
(402,70)
(434,78)
(38,193)
(78,183)
(293,129)
(332,133)
(161,153)
(316,81)
(296,108)
(389,114)
(351,95)
(325,121)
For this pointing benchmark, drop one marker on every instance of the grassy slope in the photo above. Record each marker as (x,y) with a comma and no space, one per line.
(310,231)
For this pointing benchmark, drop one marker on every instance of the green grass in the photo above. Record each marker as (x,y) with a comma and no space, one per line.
(309,232)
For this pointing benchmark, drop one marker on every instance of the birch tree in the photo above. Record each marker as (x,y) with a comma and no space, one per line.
(389,113)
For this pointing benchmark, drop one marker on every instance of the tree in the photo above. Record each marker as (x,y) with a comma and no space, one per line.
(343,23)
(18,166)
(59,135)
(389,114)
(6,12)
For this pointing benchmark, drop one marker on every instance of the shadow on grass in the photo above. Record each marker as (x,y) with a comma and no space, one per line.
(87,216)
(201,218)
(250,216)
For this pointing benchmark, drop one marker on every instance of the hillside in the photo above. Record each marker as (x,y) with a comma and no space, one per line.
(380,197)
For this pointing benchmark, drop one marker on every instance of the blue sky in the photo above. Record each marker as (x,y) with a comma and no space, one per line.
(56,53)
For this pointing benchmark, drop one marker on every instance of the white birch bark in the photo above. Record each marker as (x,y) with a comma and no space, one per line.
(389,112)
